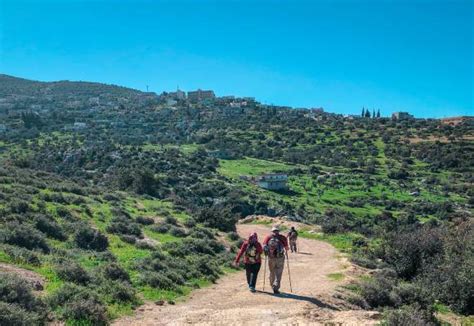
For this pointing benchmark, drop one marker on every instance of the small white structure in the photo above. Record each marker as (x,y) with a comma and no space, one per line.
(79,125)
(273,181)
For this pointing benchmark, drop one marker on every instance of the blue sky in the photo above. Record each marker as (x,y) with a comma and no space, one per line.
(342,55)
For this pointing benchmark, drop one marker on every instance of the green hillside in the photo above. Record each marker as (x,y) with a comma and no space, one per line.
(115,197)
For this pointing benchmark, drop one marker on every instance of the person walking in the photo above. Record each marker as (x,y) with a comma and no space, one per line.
(293,237)
(275,247)
(252,250)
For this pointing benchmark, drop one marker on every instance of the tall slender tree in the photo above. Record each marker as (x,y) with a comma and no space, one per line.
(363,112)
(367,113)
(378,113)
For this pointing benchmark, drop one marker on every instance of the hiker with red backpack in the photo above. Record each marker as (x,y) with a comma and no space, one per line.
(275,247)
(252,250)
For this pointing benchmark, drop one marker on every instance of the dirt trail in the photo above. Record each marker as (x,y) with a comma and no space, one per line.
(229,302)
(34,279)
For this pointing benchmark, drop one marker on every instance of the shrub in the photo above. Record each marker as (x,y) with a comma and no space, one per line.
(23,235)
(123,225)
(161,228)
(234,236)
(114,272)
(409,316)
(177,232)
(89,310)
(13,315)
(18,305)
(219,218)
(22,256)
(157,280)
(90,239)
(128,238)
(49,227)
(408,249)
(145,245)
(145,220)
(64,213)
(189,223)
(171,220)
(377,290)
(72,272)
(80,304)
(15,290)
(118,291)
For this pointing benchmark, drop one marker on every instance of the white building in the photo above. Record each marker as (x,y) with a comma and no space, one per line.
(79,125)
(273,181)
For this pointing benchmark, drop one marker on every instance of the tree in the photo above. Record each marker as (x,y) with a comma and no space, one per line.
(373,113)
(378,113)
(363,112)
(367,113)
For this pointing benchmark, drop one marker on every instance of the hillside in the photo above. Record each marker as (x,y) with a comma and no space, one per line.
(114,197)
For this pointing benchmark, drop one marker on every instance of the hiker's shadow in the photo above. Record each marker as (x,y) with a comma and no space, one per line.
(292,296)
(305,253)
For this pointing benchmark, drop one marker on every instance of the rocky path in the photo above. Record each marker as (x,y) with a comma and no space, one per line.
(230,303)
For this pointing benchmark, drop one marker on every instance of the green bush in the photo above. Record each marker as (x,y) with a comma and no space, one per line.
(124,225)
(114,272)
(117,291)
(409,316)
(143,220)
(22,256)
(50,228)
(23,235)
(177,232)
(377,291)
(90,239)
(128,238)
(13,315)
(18,305)
(161,228)
(72,272)
(157,280)
(80,304)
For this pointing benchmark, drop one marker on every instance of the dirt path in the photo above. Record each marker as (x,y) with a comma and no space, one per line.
(34,279)
(230,303)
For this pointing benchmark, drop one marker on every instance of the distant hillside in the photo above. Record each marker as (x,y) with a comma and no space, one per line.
(10,85)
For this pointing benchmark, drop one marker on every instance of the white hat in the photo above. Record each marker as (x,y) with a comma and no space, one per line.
(275,228)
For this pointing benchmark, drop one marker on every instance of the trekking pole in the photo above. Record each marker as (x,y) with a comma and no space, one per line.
(289,274)
(264,272)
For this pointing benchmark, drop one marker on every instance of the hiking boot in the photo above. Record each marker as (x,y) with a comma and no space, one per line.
(275,291)
(252,289)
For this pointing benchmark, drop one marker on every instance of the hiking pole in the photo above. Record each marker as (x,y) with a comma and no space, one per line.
(264,272)
(289,274)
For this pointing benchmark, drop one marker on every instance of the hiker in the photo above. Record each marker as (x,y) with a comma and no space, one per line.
(275,247)
(252,250)
(293,236)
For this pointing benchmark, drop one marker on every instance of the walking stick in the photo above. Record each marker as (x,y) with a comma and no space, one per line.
(289,274)
(264,272)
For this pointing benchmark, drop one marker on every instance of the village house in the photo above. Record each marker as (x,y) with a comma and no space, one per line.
(402,116)
(273,181)
(200,95)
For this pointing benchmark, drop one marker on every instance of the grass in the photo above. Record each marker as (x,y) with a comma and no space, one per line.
(250,167)
(336,276)
(342,241)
